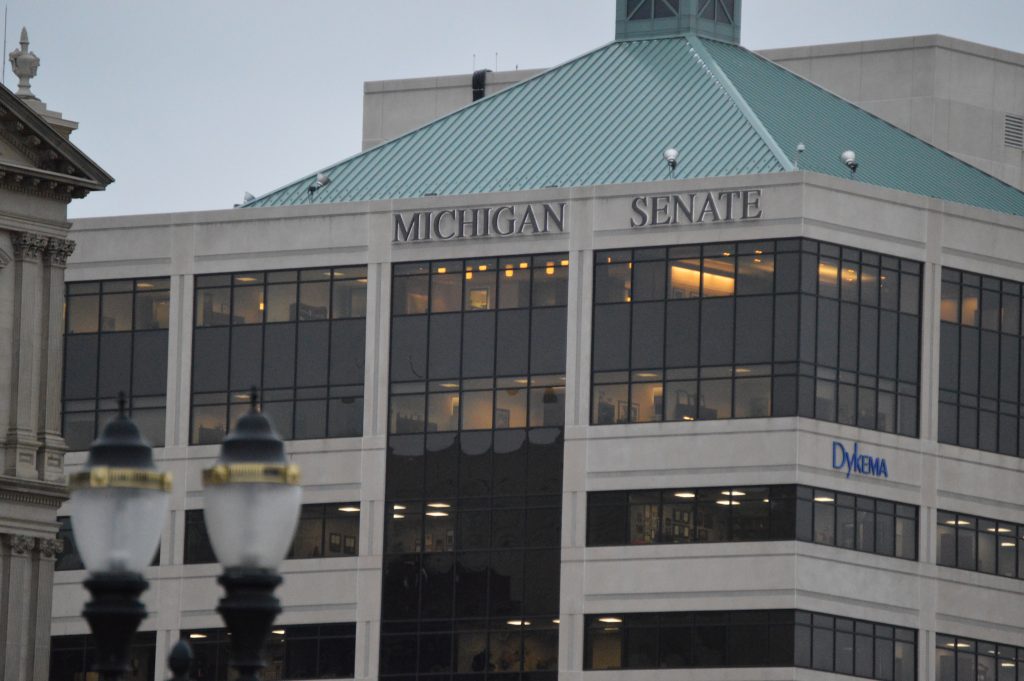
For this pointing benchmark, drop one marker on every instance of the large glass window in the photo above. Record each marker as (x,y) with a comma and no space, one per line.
(980,369)
(324,531)
(72,657)
(756,329)
(486,353)
(297,335)
(310,651)
(115,341)
(965,659)
(474,471)
(731,514)
(752,638)
(980,544)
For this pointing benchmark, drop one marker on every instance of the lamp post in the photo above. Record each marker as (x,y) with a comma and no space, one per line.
(118,505)
(252,500)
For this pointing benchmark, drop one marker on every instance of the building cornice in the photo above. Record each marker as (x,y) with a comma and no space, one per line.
(32,492)
(59,167)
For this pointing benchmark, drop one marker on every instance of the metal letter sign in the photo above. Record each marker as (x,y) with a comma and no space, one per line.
(858,463)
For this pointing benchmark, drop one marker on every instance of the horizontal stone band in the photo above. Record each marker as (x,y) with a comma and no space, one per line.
(251,473)
(126,478)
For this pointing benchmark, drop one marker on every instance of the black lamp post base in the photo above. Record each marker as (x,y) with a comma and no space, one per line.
(249,609)
(114,613)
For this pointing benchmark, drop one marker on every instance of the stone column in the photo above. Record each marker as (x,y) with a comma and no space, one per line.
(50,462)
(18,612)
(22,442)
(46,560)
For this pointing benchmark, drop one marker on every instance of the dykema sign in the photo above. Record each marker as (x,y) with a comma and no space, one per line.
(477,223)
(855,462)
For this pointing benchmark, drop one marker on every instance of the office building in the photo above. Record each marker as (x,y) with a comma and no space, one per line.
(565,409)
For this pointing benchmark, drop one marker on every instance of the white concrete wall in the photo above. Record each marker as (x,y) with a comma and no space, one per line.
(758,451)
(392,108)
(949,92)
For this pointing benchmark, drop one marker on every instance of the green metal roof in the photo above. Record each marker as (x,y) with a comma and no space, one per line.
(607,117)
(796,111)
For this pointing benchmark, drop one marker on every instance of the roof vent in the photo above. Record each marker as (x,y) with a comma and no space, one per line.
(1014,131)
(480,84)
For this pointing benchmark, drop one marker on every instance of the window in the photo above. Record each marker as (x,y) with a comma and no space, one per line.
(198,548)
(980,401)
(487,353)
(68,558)
(474,468)
(327,531)
(731,514)
(71,657)
(722,11)
(755,638)
(980,545)
(637,10)
(324,531)
(964,659)
(756,329)
(297,335)
(115,341)
(313,651)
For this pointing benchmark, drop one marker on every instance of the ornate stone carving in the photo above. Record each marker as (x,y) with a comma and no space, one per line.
(59,250)
(28,246)
(20,544)
(25,65)
(5,259)
(49,548)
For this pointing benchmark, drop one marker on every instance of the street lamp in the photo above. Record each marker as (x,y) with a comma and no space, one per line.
(118,505)
(252,500)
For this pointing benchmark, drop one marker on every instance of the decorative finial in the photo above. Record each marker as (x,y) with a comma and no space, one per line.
(254,397)
(121,402)
(25,65)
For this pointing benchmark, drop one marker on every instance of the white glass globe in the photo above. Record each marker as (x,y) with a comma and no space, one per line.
(251,525)
(117,529)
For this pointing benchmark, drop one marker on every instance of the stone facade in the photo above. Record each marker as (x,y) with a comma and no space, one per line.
(40,173)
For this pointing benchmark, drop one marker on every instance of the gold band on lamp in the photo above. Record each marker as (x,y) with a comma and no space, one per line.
(251,473)
(124,478)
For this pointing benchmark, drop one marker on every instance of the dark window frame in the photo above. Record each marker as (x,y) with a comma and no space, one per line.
(974,412)
(892,391)
(797,628)
(215,643)
(233,403)
(956,647)
(798,502)
(964,525)
(144,643)
(473,503)
(104,406)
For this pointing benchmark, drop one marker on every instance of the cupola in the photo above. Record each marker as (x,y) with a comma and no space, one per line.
(714,19)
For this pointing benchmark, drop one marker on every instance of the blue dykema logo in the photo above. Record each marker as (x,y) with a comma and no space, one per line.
(855,462)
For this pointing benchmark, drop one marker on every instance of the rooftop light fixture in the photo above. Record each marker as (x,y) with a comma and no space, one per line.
(672,158)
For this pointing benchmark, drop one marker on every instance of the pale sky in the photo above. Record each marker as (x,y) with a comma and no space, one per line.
(191,103)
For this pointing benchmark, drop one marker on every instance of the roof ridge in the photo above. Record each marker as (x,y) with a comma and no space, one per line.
(739,100)
(480,102)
